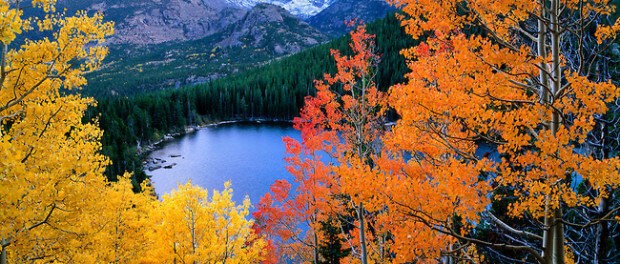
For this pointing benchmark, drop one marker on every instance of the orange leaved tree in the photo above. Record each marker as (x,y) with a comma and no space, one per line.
(333,165)
(498,105)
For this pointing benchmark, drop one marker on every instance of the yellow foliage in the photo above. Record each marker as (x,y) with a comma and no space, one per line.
(50,164)
(55,204)
(190,227)
(119,226)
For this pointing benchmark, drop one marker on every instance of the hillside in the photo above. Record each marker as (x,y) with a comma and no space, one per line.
(273,29)
(162,44)
(263,33)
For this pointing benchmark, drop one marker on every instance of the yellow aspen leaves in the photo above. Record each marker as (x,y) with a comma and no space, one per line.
(55,204)
(10,23)
(193,227)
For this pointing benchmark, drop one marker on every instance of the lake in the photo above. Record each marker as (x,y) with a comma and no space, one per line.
(249,155)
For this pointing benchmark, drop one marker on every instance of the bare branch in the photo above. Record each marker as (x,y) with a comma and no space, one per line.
(512,230)
(45,221)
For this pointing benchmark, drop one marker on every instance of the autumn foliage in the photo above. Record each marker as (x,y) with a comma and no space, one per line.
(55,203)
(516,89)
(490,159)
(50,159)
(493,129)
(340,128)
(191,227)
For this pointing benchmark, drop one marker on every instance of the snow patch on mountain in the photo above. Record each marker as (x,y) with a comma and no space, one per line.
(299,8)
(306,8)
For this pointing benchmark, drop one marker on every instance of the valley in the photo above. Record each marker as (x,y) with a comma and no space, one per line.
(274,91)
(429,131)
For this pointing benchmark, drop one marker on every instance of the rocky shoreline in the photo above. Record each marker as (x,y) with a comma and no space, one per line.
(151,164)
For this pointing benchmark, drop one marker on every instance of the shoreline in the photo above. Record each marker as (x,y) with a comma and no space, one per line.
(142,152)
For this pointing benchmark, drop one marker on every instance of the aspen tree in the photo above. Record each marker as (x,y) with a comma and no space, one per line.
(50,161)
(525,84)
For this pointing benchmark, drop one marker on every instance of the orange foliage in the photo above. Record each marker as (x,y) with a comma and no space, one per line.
(505,88)
(340,128)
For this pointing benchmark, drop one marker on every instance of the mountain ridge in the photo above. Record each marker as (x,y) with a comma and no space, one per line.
(331,20)
(266,23)
(171,43)
(301,8)
(264,33)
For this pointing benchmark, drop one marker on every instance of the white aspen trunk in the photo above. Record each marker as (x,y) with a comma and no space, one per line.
(558,242)
(360,214)
(602,233)
(548,235)
(447,259)
(556,252)
(551,78)
(193,230)
(544,98)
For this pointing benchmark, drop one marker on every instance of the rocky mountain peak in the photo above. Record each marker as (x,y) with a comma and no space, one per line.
(157,21)
(270,27)
(300,8)
(332,19)
(265,13)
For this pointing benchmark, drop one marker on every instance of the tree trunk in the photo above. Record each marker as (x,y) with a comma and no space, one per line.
(3,256)
(602,235)
(548,235)
(556,70)
(447,259)
(316,248)
(4,243)
(360,214)
(544,98)
(542,39)
(558,241)
(553,236)
(602,230)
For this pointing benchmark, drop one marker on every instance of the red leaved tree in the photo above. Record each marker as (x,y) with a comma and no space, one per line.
(333,165)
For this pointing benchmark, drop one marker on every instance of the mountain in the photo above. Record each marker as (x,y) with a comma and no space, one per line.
(331,20)
(173,43)
(157,21)
(273,28)
(176,20)
(262,34)
(145,22)
(300,8)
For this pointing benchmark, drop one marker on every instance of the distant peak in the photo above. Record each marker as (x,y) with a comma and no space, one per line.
(299,8)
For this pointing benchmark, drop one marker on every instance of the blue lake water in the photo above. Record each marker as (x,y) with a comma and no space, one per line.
(249,155)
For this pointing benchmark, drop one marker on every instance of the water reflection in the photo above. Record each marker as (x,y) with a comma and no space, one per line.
(249,155)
